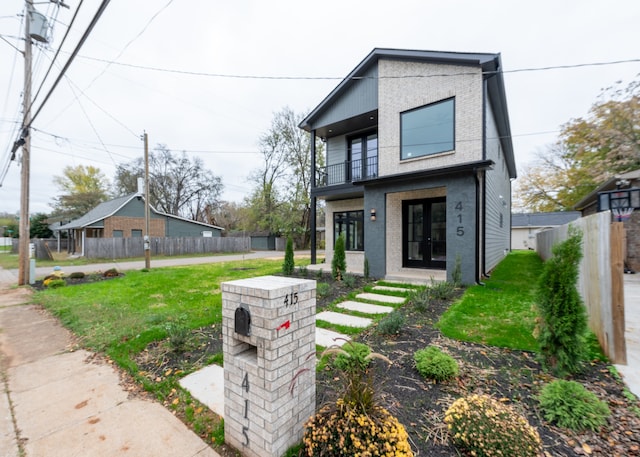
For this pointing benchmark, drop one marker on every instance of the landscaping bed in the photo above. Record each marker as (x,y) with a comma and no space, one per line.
(513,377)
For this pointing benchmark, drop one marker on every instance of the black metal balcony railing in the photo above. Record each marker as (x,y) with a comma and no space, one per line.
(347,171)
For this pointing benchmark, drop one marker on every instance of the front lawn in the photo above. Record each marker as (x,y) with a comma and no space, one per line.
(502,311)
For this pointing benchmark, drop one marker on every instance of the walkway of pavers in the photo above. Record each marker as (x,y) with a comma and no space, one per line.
(207,385)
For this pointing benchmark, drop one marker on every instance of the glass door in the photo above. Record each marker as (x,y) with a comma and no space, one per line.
(424,225)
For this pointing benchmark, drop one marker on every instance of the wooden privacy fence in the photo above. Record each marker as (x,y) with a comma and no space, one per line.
(120,248)
(601,280)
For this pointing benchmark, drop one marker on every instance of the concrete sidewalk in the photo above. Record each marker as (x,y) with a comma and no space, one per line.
(55,401)
(631,371)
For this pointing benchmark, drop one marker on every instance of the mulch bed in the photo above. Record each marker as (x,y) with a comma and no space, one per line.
(515,377)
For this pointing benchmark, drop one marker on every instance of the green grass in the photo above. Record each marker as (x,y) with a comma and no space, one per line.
(502,312)
(121,316)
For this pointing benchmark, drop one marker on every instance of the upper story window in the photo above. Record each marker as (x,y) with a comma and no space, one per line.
(427,130)
(363,156)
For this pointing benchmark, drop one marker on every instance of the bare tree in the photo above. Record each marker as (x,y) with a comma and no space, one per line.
(178,185)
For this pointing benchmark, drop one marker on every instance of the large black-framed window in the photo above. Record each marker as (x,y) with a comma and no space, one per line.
(427,130)
(351,224)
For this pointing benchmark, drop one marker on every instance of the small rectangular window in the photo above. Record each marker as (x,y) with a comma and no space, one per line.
(117,233)
(427,130)
(135,233)
(351,224)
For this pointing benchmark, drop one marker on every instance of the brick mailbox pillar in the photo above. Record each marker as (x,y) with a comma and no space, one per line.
(268,331)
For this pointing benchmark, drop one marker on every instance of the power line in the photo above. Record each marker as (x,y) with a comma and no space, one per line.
(75,15)
(93,23)
(305,78)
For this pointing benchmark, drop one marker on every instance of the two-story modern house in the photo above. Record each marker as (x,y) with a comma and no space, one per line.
(419,163)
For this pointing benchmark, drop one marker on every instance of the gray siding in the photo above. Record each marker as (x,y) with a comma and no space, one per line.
(497,198)
(361,97)
(177,227)
(135,208)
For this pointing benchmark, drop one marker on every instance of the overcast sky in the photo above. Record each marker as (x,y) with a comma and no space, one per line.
(98,113)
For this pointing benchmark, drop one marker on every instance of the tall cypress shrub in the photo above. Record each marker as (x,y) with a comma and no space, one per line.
(563,318)
(288,265)
(339,262)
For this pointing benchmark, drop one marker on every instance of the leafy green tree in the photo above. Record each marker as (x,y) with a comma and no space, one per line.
(280,201)
(339,261)
(39,226)
(82,189)
(563,318)
(589,151)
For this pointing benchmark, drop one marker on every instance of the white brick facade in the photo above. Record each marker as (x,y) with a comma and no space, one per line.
(398,93)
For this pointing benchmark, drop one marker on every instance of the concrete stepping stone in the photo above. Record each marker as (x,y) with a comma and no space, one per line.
(366,308)
(381,298)
(328,338)
(393,289)
(344,319)
(207,385)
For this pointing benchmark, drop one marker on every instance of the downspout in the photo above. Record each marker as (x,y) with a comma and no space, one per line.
(84,237)
(477,248)
(312,216)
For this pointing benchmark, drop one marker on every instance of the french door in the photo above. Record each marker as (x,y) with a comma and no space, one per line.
(424,238)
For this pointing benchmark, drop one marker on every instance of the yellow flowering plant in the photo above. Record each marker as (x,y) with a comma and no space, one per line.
(485,427)
(355,425)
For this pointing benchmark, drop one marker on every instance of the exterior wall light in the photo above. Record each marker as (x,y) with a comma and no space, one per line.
(373,214)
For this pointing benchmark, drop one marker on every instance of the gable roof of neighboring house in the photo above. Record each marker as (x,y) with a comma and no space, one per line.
(109,208)
(551,219)
(610,184)
(491,65)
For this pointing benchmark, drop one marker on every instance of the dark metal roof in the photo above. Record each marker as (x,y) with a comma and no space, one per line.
(109,208)
(551,219)
(610,184)
(490,63)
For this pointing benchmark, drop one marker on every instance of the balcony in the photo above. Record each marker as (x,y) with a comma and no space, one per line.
(347,172)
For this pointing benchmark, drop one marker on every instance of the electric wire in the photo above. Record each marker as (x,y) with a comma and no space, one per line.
(85,35)
(64,38)
(339,78)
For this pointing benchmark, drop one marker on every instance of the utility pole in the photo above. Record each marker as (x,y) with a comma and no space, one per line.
(23,242)
(147,239)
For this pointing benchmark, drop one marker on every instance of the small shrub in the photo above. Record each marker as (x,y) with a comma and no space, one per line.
(349,280)
(322,289)
(52,283)
(434,364)
(485,427)
(178,336)
(339,261)
(303,270)
(443,290)
(77,275)
(421,299)
(391,324)
(110,273)
(354,358)
(366,269)
(456,274)
(319,274)
(570,405)
(341,430)
(288,265)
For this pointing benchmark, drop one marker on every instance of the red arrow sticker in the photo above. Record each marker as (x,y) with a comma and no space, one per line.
(285,326)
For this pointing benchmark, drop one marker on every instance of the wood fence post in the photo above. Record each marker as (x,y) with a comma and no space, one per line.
(617,293)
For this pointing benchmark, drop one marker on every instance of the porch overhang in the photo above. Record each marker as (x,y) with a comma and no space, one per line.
(465,168)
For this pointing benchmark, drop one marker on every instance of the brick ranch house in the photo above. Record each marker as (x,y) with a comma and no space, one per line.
(123,217)
(419,163)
